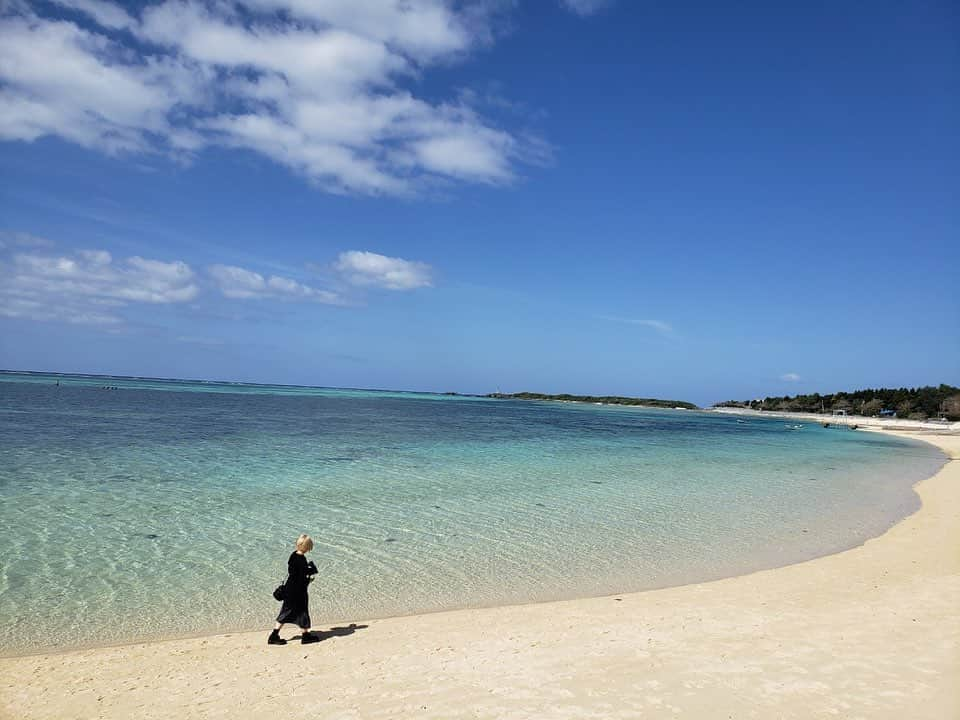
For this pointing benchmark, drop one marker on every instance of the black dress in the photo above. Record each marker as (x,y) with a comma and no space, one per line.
(295,608)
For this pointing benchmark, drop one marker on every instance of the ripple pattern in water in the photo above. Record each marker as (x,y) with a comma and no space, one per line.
(160,509)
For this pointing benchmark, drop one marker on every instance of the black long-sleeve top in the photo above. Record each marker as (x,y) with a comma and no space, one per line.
(300,572)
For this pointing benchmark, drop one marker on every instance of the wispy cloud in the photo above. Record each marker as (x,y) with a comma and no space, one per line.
(315,86)
(790,377)
(585,7)
(10,239)
(365,268)
(661,327)
(240,283)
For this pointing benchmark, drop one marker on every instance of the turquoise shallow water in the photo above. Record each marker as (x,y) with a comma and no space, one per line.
(162,508)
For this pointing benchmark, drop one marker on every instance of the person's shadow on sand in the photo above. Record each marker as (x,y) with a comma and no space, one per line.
(338,631)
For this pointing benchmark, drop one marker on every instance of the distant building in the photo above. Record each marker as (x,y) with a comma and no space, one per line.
(888,413)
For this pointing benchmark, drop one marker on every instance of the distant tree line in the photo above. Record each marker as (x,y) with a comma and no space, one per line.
(606,399)
(914,403)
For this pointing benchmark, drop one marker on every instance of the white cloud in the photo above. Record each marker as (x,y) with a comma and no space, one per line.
(366,268)
(242,284)
(58,79)
(88,287)
(661,327)
(105,14)
(325,62)
(423,29)
(790,377)
(92,287)
(314,86)
(475,155)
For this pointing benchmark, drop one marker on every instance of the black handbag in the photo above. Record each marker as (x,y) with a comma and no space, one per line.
(280,592)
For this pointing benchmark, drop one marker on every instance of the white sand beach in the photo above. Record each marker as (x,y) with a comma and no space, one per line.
(872,632)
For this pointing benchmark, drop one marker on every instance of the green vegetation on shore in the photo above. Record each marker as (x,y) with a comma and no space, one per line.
(913,403)
(605,399)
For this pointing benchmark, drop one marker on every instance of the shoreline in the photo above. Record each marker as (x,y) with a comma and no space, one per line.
(892,425)
(784,559)
(100,678)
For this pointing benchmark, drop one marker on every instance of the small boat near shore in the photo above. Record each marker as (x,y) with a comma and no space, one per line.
(791,426)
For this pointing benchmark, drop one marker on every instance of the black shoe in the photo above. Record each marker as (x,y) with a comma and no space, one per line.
(275,639)
(308,638)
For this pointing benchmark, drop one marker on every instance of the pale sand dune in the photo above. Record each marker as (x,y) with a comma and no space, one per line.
(873,632)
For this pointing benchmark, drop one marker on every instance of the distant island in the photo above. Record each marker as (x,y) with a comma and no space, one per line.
(602,399)
(912,403)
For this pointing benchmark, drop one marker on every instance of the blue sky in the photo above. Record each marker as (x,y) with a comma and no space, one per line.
(697,202)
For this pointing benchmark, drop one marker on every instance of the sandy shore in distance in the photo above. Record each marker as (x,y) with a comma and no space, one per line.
(873,632)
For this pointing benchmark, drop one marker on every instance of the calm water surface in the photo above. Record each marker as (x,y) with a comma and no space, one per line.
(163,508)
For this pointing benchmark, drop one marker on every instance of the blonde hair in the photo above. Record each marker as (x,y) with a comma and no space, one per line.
(304,543)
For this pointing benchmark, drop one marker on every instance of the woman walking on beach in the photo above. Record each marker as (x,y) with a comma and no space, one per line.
(295,608)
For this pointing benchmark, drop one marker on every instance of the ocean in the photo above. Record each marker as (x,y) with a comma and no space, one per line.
(134,509)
